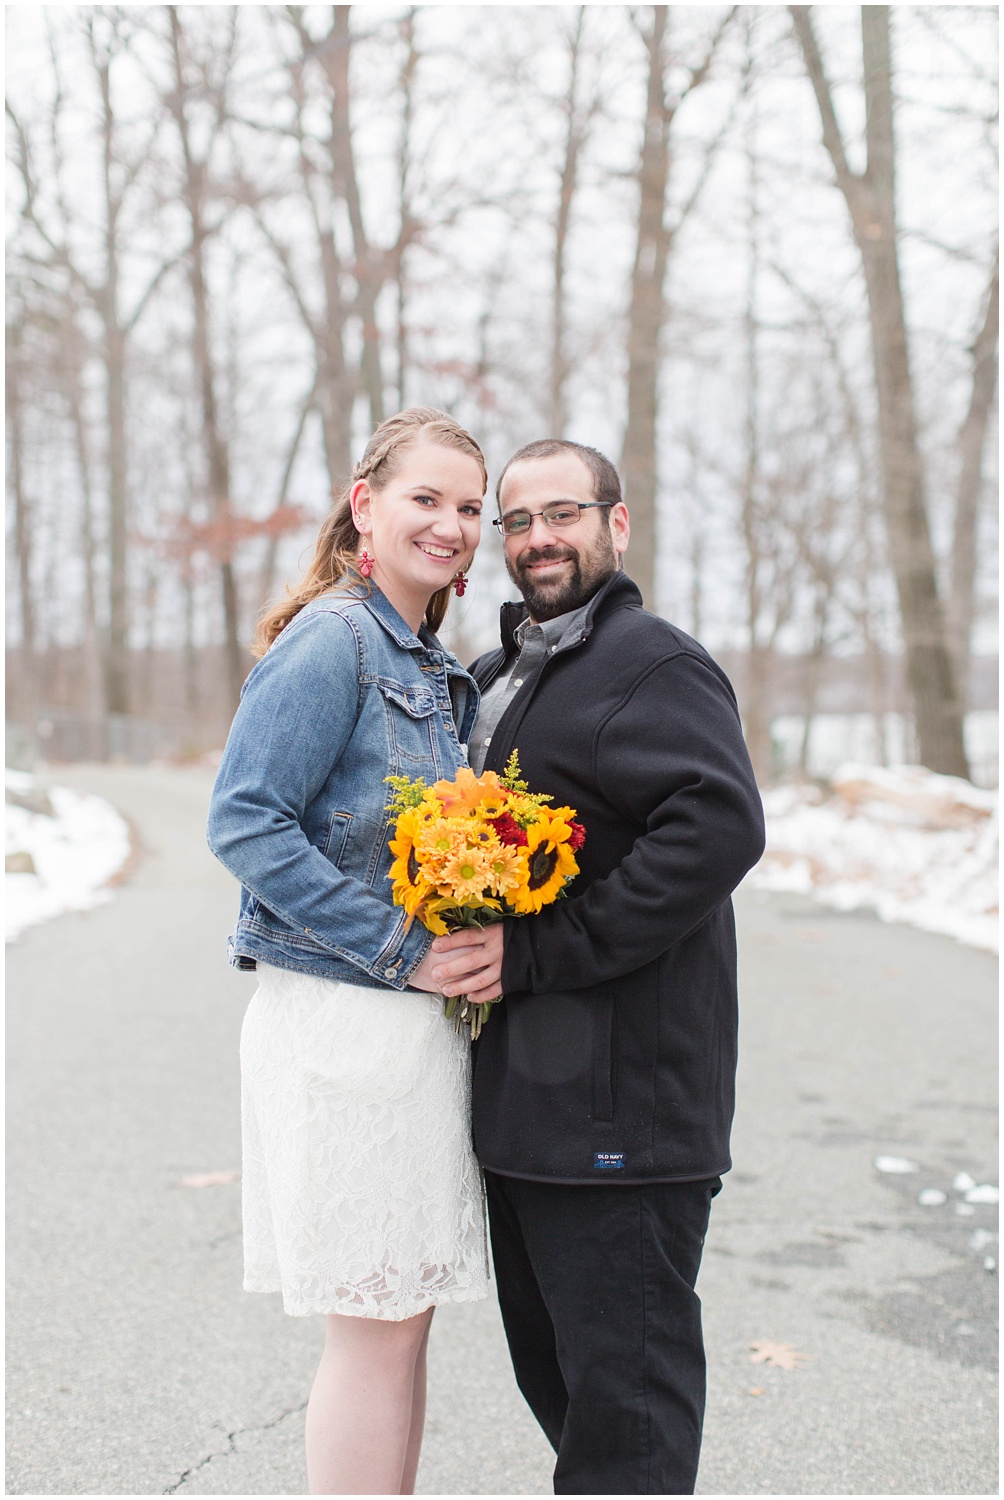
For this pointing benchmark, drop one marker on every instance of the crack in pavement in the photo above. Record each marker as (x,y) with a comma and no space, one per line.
(231,1448)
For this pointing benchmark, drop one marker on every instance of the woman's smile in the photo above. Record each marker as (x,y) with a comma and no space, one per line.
(431,550)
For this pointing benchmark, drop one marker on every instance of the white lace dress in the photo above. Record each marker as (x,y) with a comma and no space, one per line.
(361,1192)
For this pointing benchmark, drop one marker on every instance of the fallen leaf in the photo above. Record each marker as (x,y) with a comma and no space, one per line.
(207,1179)
(777,1356)
(756,1390)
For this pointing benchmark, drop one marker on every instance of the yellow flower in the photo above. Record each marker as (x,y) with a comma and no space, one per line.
(549,863)
(439,837)
(431,919)
(411,884)
(492,806)
(405,866)
(465,874)
(506,867)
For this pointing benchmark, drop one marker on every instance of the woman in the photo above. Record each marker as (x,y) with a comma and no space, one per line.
(362,1199)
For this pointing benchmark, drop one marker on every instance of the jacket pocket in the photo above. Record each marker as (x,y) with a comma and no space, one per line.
(410,717)
(339,825)
(604,1058)
(417,703)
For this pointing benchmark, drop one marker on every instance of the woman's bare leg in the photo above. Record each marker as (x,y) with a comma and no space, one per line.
(360,1414)
(417,1416)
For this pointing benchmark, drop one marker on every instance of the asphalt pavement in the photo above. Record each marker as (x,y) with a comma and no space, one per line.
(137,1366)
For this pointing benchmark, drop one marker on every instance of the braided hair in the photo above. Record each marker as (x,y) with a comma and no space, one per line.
(335,563)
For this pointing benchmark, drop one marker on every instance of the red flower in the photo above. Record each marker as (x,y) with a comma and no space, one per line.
(578,837)
(508,829)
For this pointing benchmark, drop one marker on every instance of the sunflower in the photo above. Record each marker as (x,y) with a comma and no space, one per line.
(549,862)
(410,883)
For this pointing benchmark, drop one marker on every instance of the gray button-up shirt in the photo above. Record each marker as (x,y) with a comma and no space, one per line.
(536,643)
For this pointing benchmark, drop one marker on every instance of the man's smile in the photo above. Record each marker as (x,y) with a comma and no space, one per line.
(543,565)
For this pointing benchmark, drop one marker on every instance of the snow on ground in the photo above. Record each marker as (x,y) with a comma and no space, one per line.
(913,846)
(62,848)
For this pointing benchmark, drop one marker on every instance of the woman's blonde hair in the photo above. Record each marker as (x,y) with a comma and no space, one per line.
(334,561)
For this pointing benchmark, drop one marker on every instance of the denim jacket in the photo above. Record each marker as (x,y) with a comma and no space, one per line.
(345,696)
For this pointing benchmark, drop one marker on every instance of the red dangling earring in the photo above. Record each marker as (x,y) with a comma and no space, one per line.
(365,563)
(460,585)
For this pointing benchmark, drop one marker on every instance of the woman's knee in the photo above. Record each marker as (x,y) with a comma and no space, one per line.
(379,1337)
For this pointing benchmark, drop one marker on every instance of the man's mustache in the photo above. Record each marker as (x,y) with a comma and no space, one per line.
(546,554)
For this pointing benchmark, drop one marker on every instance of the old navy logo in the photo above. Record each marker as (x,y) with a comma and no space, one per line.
(606,1161)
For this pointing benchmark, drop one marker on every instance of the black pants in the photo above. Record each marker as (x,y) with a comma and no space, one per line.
(596,1286)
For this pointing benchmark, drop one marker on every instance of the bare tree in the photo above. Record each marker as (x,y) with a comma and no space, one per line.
(578,117)
(14,403)
(971,444)
(47,210)
(329,183)
(647,312)
(405,209)
(195,196)
(871,202)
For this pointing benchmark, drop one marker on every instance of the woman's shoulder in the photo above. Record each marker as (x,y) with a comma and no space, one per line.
(323,629)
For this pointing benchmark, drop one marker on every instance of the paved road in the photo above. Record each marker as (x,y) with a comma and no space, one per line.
(137,1366)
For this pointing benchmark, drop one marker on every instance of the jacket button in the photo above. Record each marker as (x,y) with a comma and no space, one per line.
(518,682)
(488,739)
(390,973)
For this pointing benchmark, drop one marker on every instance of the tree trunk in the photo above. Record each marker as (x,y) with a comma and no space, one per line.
(22,525)
(404,206)
(116,673)
(757,708)
(117,696)
(93,644)
(870,199)
(646,316)
(336,59)
(214,443)
(972,440)
(574,140)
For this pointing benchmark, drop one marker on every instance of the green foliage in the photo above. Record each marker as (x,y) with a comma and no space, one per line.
(510,776)
(523,803)
(407,793)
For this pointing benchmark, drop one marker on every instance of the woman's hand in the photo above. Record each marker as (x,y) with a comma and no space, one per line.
(468,962)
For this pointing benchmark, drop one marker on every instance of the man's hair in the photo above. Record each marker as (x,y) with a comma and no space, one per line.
(606,484)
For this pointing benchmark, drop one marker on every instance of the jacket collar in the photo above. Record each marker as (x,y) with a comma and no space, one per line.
(617,593)
(381,609)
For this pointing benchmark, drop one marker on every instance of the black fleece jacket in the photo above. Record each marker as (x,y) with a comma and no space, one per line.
(613,1056)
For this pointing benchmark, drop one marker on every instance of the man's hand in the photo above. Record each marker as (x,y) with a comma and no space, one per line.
(468,962)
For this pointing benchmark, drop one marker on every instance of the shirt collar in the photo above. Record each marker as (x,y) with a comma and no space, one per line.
(553,630)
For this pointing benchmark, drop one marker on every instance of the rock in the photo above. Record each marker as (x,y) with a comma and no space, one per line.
(983,1192)
(34,801)
(19,863)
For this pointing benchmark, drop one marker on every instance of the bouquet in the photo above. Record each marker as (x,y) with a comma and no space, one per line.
(471,851)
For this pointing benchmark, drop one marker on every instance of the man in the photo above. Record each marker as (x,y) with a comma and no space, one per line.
(604,1084)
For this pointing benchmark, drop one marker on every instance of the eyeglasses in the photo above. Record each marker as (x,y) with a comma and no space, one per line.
(561,513)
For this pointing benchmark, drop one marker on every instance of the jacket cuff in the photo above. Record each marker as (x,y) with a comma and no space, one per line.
(402,955)
(515,955)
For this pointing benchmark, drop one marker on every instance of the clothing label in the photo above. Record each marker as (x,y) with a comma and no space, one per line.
(605,1161)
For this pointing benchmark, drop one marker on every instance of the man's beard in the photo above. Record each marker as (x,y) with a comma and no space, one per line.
(590,570)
